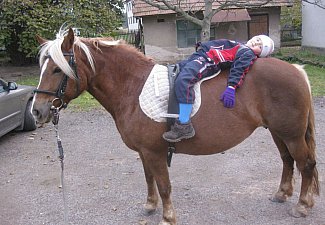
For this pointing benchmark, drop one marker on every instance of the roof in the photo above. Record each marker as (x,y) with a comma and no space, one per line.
(141,9)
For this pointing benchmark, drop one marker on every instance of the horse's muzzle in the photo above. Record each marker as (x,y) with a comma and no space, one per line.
(42,114)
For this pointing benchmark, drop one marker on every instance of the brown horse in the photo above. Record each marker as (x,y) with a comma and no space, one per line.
(275,95)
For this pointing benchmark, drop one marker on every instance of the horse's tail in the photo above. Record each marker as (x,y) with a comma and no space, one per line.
(310,132)
(310,140)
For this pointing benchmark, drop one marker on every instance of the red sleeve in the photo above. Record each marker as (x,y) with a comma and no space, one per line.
(224,55)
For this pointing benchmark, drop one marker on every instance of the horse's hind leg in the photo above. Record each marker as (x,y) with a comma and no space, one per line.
(286,184)
(306,163)
(152,197)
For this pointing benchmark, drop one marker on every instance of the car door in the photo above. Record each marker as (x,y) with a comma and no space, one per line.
(10,109)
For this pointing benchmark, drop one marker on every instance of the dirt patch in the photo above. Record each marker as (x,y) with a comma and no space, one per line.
(104,180)
(13,73)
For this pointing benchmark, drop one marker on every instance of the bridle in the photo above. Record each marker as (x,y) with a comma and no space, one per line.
(59,93)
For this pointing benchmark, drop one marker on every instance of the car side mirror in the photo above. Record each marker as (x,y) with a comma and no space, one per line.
(12,86)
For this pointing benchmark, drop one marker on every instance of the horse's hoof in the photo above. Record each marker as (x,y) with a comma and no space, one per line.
(150,208)
(166,223)
(280,198)
(299,211)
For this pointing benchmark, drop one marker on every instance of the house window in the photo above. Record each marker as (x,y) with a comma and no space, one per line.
(188,33)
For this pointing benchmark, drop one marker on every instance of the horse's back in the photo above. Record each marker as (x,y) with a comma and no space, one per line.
(278,77)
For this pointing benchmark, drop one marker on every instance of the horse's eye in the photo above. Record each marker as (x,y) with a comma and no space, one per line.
(57,70)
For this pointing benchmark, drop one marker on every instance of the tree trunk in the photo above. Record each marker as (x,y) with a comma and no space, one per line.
(205,32)
(206,22)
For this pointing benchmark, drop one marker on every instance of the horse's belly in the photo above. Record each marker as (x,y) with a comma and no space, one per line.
(206,143)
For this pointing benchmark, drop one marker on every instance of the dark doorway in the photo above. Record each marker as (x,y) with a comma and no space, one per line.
(259,24)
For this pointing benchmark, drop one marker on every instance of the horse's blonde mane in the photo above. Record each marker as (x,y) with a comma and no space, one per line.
(53,49)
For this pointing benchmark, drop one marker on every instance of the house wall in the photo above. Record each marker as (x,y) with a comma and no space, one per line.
(160,34)
(313,29)
(160,30)
(160,39)
(275,26)
(236,31)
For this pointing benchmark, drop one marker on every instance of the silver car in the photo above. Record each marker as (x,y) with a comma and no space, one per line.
(15,107)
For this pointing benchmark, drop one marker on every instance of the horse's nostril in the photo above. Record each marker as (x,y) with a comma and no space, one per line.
(36,113)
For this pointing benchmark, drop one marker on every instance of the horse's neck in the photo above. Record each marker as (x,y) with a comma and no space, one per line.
(118,90)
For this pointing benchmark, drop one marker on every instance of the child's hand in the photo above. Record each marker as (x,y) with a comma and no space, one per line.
(228,97)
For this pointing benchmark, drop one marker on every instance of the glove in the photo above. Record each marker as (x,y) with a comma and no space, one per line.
(228,97)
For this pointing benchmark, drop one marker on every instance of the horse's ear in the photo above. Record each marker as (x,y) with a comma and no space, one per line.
(68,41)
(40,39)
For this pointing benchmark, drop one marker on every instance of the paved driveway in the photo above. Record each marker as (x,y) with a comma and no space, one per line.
(105,182)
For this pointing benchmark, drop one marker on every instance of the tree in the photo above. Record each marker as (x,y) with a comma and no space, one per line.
(318,3)
(21,20)
(292,16)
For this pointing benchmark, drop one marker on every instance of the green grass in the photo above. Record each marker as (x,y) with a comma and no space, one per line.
(317,80)
(296,54)
(29,80)
(315,66)
(85,102)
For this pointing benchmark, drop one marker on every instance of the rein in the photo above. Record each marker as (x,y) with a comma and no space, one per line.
(55,120)
(59,93)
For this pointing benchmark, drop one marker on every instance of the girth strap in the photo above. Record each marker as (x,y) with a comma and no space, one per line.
(173,107)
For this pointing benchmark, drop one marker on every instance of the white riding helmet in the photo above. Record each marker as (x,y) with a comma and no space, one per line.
(267,45)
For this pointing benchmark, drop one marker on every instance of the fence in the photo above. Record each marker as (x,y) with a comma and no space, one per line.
(133,38)
(290,36)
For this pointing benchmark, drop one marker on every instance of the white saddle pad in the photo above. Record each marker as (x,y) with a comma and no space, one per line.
(155,94)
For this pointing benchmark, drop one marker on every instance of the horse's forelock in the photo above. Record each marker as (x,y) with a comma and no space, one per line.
(53,49)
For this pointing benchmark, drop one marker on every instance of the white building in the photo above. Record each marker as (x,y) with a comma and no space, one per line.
(132,22)
(313,29)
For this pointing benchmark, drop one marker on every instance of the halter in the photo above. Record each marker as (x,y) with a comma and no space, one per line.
(59,93)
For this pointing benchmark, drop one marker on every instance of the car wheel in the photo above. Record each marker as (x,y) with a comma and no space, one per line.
(29,121)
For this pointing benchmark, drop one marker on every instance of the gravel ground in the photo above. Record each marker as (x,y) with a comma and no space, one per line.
(105,185)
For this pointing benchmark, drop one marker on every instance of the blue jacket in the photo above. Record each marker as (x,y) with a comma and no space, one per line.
(231,54)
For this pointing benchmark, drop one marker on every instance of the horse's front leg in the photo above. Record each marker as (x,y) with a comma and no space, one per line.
(156,161)
(152,197)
